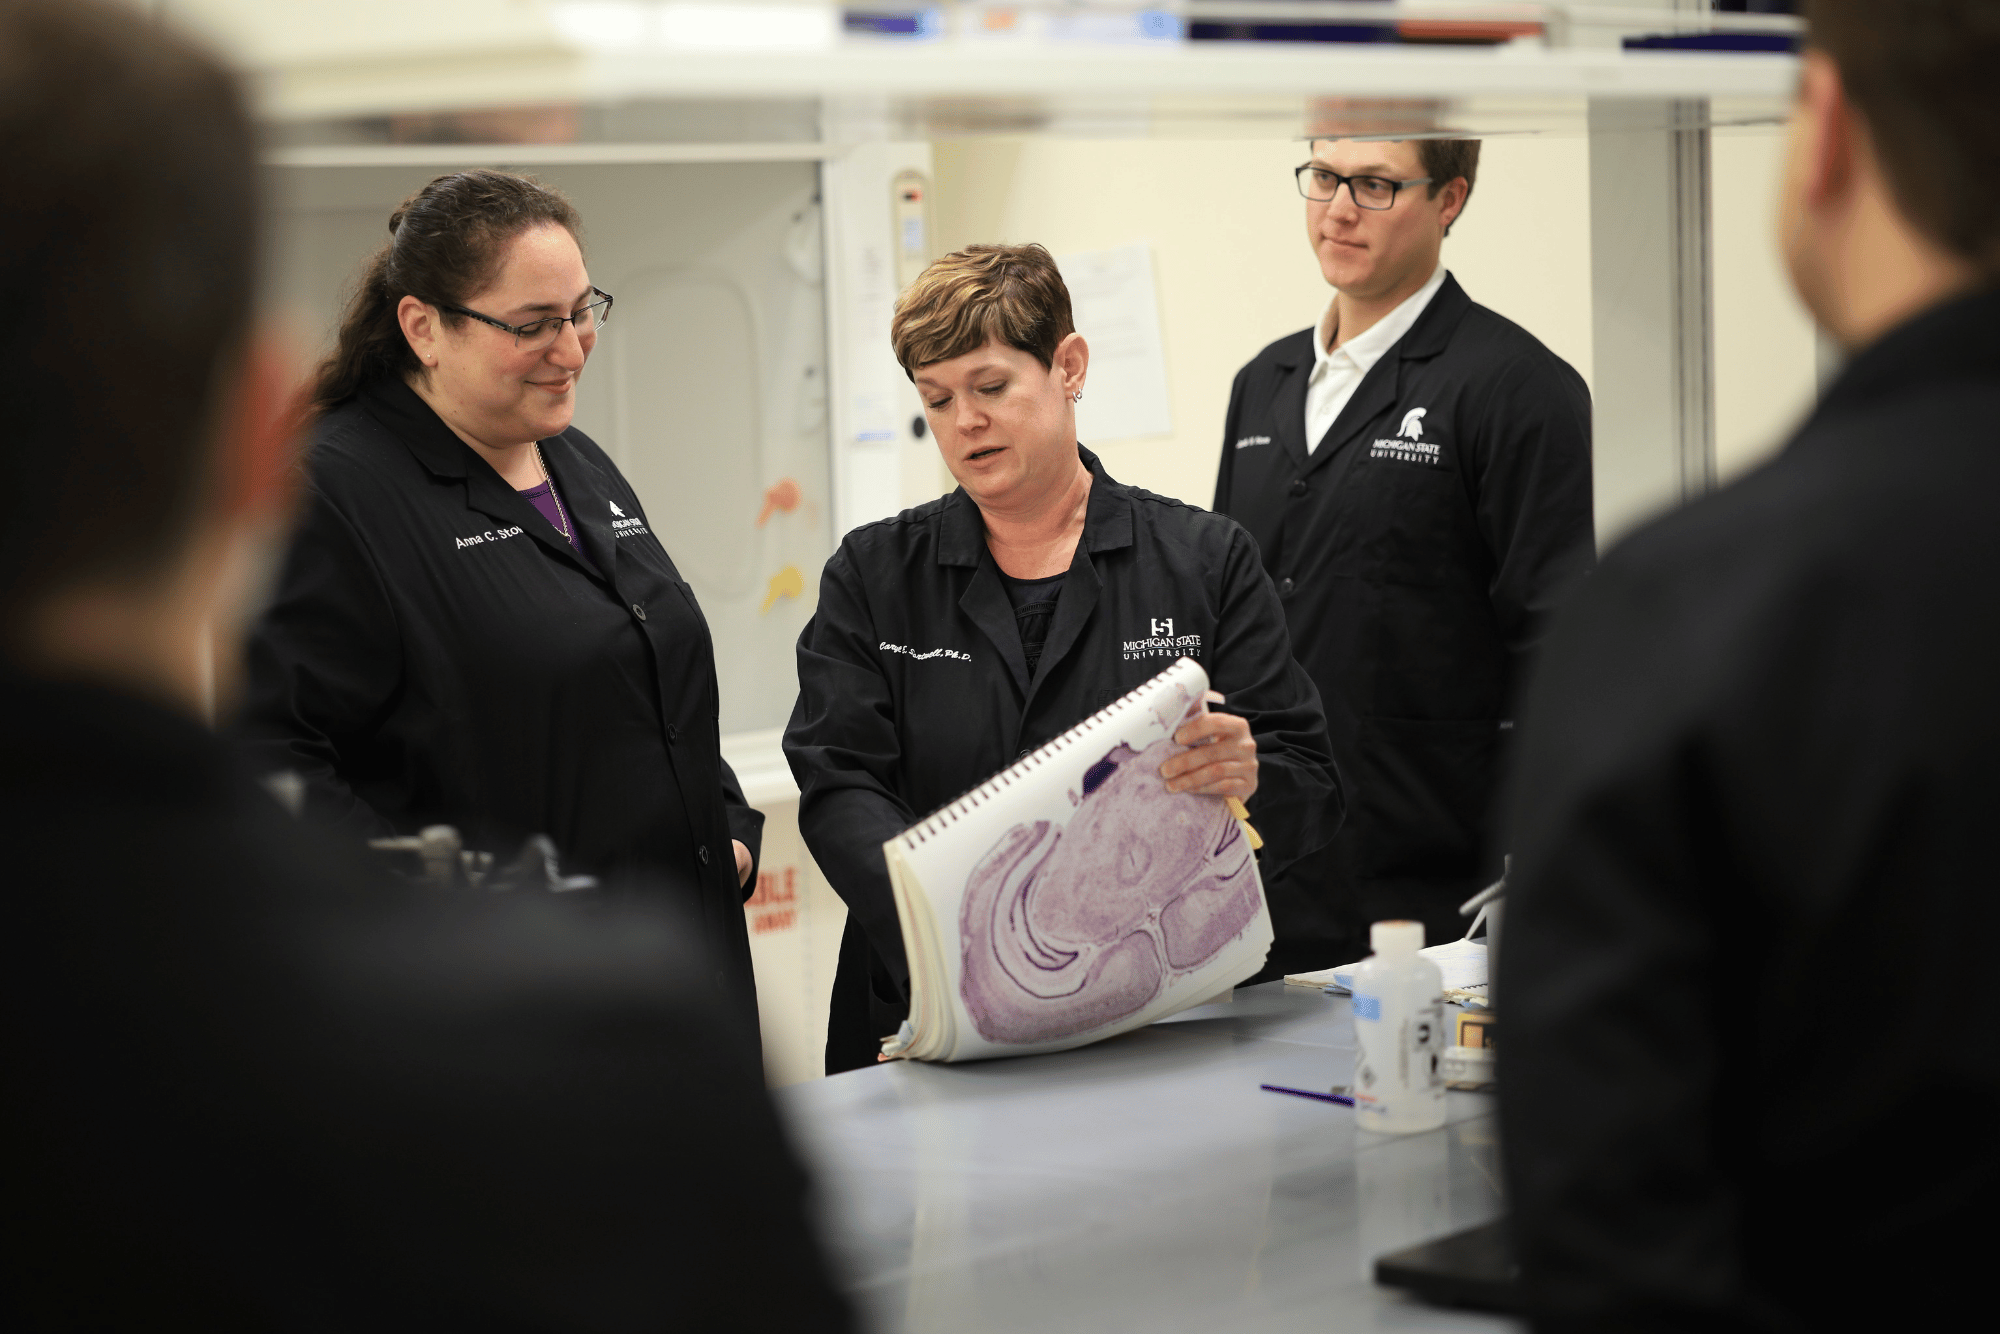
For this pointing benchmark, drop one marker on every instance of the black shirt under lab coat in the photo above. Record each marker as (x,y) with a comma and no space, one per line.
(1749,940)
(436,653)
(1416,552)
(913,688)
(255,1084)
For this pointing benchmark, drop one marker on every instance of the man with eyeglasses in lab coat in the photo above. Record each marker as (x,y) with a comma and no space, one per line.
(1416,472)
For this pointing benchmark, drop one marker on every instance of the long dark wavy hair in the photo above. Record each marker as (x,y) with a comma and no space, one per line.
(445,243)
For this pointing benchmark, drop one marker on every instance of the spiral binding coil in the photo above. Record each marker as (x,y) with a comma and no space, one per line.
(950,812)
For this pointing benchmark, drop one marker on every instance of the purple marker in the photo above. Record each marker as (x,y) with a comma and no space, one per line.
(1340,1098)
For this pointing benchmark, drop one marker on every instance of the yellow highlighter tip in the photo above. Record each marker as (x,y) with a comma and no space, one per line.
(1242,812)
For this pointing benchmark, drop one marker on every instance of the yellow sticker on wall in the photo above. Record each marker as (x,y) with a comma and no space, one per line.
(786,583)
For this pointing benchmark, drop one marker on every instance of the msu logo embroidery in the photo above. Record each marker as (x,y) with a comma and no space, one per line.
(1408,444)
(1162,642)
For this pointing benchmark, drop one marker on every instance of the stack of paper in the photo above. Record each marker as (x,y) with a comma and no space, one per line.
(1462,962)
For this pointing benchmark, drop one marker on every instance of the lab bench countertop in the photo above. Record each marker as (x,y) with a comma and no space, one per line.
(1143,1184)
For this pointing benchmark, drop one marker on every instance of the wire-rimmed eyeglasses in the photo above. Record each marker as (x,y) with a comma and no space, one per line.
(538,334)
(1320,185)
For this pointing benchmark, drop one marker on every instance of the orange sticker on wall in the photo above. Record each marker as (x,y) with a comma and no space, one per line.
(782,494)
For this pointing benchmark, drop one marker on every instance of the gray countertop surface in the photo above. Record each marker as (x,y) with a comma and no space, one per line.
(1144,1184)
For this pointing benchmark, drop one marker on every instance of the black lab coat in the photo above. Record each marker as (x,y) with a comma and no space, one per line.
(256,1084)
(437,653)
(1749,939)
(1416,562)
(913,688)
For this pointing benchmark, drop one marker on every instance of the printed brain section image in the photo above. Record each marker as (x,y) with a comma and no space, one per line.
(1065,930)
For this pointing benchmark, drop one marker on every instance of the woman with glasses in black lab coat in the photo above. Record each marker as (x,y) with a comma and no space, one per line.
(956,637)
(475,625)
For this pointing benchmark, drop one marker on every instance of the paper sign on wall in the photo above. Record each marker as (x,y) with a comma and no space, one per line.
(1117,311)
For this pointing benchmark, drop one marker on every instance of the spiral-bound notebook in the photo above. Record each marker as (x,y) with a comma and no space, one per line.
(1071,897)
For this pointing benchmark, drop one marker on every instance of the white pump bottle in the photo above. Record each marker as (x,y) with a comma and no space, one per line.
(1398,1034)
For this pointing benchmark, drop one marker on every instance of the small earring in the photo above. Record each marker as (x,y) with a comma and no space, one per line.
(1077,397)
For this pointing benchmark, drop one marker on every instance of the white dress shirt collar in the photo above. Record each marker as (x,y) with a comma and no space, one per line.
(1337,374)
(1367,348)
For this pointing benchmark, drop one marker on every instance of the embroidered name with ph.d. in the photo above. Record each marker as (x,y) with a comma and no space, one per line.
(481,539)
(909,652)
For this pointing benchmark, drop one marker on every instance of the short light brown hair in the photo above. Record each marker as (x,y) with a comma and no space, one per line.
(1922,77)
(1011,294)
(1445,160)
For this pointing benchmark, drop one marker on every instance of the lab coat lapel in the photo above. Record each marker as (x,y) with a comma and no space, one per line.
(1081,590)
(1289,411)
(1383,385)
(1375,396)
(411,420)
(587,499)
(986,602)
(488,493)
(403,411)
(961,542)
(1107,526)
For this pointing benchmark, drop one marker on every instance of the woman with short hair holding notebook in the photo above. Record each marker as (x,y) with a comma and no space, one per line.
(962,634)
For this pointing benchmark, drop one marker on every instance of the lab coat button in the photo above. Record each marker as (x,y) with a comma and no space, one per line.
(1285,587)
(702,852)
(1298,486)
(639,611)
(673,734)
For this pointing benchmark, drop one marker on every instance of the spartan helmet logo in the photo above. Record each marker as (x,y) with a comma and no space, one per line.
(1413,424)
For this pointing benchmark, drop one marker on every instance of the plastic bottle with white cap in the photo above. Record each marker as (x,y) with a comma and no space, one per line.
(1398,1034)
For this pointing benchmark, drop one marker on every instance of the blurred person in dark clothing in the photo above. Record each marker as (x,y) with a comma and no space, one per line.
(252,1085)
(1753,896)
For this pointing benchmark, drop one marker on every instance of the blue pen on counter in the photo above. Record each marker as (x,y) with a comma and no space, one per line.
(1340,1098)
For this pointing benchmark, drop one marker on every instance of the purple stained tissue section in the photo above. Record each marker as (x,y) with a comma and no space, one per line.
(1067,930)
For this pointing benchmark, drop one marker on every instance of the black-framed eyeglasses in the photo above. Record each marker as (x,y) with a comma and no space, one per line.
(539,334)
(1377,192)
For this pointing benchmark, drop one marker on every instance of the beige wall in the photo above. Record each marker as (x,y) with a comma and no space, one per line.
(1765,354)
(1234,270)
(1229,254)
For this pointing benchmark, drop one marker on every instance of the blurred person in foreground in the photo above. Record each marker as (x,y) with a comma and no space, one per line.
(1745,1082)
(251,1084)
